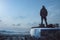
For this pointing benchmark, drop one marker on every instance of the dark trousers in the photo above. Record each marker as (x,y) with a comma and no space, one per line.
(45,19)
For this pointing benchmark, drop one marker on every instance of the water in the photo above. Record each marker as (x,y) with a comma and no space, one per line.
(10,35)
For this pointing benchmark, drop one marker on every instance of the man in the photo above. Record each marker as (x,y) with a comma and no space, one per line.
(43,14)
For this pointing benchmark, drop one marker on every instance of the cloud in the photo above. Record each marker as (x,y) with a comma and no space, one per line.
(0,20)
(16,24)
(20,17)
(53,14)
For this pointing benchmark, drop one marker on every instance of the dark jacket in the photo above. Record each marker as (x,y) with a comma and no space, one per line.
(43,12)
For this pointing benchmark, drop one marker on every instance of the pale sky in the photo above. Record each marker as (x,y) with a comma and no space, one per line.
(21,14)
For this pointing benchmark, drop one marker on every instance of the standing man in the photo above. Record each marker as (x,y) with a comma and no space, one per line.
(43,14)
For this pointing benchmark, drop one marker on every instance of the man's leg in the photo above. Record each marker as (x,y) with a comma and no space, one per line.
(41,20)
(45,20)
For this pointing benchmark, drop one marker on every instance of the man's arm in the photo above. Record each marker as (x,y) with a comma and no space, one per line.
(46,12)
(41,12)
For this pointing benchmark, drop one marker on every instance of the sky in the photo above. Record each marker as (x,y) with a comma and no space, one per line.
(24,14)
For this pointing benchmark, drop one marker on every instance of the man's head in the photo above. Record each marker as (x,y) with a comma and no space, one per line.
(43,6)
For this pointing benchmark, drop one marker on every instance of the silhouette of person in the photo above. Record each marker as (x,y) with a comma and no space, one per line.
(43,14)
